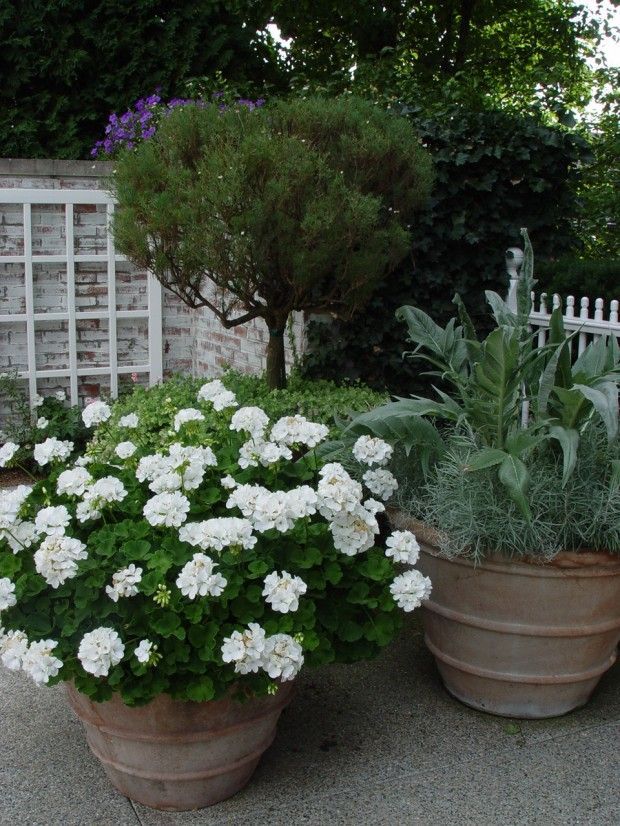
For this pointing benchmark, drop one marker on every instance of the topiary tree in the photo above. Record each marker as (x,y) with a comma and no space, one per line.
(303,204)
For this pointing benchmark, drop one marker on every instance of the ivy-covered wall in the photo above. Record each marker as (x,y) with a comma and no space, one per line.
(495,173)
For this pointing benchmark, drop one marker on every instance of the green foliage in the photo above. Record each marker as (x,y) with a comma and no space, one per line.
(319,401)
(594,278)
(67,65)
(494,173)
(486,385)
(347,612)
(477,518)
(297,205)
(19,424)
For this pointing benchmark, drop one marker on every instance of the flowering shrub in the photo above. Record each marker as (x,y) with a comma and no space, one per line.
(223,556)
(52,429)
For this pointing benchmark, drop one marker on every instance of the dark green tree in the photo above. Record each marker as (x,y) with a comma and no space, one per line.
(66,64)
(300,205)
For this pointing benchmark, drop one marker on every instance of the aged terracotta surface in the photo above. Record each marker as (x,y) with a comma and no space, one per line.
(175,755)
(520,639)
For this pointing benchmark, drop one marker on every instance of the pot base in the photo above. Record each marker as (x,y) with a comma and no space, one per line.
(177,756)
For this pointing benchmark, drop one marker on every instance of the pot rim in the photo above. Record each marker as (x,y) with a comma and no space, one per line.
(603,562)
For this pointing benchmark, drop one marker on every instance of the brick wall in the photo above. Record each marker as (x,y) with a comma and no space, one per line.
(193,340)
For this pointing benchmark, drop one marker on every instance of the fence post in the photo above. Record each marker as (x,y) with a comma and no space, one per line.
(514,259)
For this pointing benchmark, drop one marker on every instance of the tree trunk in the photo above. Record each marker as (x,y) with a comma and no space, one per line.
(276,364)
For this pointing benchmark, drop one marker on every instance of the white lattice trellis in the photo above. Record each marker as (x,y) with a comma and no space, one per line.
(26,198)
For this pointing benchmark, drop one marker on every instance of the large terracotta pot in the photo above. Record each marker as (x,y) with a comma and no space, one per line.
(176,755)
(521,639)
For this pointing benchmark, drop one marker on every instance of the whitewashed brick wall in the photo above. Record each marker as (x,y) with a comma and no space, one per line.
(194,341)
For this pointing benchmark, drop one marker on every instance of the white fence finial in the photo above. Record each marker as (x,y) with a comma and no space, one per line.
(514,260)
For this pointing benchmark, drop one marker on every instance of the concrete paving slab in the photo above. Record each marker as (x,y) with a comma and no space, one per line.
(373,743)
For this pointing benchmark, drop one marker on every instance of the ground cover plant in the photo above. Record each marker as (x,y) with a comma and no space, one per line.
(223,556)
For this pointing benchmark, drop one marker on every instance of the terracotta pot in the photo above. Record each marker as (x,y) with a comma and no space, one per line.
(521,639)
(176,755)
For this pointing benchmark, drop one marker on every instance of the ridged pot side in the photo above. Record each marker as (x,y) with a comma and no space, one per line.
(521,639)
(176,755)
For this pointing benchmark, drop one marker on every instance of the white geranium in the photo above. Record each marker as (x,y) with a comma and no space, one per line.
(103,491)
(13,647)
(144,651)
(100,650)
(169,509)
(86,511)
(337,491)
(198,578)
(38,400)
(42,423)
(60,395)
(372,451)
(228,482)
(52,521)
(354,532)
(95,413)
(254,453)
(39,663)
(7,451)
(167,482)
(282,657)
(73,482)
(403,546)
(215,392)
(20,535)
(380,482)
(10,504)
(252,420)
(124,450)
(152,466)
(124,583)
(57,557)
(297,430)
(410,590)
(245,649)
(188,414)
(282,591)
(130,421)
(7,593)
(83,461)
(52,449)
(219,533)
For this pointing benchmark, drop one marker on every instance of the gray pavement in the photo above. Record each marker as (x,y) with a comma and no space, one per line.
(374,743)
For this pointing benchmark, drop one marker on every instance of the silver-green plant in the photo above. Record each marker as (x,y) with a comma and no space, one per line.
(488,383)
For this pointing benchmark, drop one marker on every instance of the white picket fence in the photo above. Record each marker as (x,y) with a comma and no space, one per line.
(576,312)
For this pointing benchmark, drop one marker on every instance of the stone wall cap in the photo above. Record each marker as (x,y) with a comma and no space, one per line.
(48,167)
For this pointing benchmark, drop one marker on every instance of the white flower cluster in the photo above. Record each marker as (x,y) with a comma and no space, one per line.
(99,494)
(100,650)
(278,509)
(410,589)
(125,450)
(130,421)
(7,593)
(198,578)
(52,521)
(13,647)
(144,651)
(39,663)
(215,393)
(124,583)
(52,449)
(337,491)
(56,558)
(252,420)
(255,452)
(182,467)
(166,510)
(21,535)
(189,414)
(372,451)
(7,451)
(95,413)
(219,533)
(354,530)
(380,482)
(73,482)
(297,430)
(282,591)
(42,423)
(280,655)
(18,533)
(403,546)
